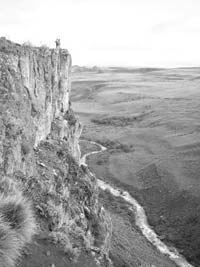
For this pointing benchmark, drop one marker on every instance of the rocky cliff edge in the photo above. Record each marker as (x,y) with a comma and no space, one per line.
(39,160)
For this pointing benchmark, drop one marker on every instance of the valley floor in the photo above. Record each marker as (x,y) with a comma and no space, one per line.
(149,121)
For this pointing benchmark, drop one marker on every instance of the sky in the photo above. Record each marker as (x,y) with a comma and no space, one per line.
(145,33)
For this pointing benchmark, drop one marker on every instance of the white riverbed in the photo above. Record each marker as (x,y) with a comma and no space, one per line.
(140,216)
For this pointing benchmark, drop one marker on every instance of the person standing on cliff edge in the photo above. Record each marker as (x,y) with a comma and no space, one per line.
(57,43)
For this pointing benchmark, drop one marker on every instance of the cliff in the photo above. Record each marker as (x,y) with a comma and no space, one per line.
(39,153)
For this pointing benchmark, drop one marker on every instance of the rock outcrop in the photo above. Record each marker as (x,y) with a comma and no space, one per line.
(39,148)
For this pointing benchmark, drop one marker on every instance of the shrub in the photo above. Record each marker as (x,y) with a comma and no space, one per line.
(70,117)
(25,148)
(119,121)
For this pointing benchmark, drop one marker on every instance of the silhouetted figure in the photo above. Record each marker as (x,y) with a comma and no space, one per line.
(57,43)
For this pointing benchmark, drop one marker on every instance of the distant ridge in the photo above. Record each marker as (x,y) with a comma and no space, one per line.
(97,69)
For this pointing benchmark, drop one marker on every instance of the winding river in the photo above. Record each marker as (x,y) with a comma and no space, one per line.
(140,216)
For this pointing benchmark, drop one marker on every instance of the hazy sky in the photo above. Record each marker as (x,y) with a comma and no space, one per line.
(109,32)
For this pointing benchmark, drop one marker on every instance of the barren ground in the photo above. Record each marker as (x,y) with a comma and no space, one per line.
(149,120)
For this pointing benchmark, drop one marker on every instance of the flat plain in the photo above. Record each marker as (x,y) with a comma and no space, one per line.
(149,119)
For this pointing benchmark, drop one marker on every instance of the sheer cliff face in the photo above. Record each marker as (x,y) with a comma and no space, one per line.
(34,88)
(45,77)
(39,148)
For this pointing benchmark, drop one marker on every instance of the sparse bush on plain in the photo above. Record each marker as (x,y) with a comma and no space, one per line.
(118,121)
